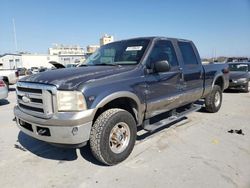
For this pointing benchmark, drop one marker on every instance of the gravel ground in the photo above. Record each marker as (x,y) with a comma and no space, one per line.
(196,152)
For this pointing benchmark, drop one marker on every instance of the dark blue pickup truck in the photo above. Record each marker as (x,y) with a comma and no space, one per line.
(146,82)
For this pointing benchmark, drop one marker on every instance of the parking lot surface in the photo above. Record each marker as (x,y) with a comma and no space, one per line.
(195,152)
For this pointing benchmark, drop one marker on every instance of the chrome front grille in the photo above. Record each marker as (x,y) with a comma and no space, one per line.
(36,99)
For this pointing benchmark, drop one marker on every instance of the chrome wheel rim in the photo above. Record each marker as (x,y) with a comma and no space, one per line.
(217,99)
(119,137)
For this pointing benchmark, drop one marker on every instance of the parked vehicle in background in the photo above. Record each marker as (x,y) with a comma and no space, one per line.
(236,59)
(28,72)
(3,89)
(34,70)
(148,82)
(72,65)
(43,69)
(9,76)
(21,71)
(239,76)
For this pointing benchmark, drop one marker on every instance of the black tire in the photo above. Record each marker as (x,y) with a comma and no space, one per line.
(7,84)
(211,103)
(100,136)
(246,90)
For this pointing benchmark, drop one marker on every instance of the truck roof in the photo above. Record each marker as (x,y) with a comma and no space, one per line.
(157,37)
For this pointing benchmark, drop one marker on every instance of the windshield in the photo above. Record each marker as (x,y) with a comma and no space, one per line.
(238,67)
(128,52)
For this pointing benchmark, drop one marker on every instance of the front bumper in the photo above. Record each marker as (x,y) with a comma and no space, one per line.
(237,84)
(69,128)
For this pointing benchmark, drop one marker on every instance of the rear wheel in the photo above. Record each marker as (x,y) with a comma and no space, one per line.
(113,136)
(214,99)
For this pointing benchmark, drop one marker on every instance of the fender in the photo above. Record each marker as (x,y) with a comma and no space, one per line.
(216,77)
(121,94)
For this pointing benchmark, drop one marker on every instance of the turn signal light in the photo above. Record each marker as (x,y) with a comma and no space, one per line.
(2,84)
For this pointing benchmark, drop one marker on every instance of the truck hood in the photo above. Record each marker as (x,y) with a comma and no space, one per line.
(238,75)
(71,78)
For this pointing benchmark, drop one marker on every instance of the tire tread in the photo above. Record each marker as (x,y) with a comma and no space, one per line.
(209,100)
(97,130)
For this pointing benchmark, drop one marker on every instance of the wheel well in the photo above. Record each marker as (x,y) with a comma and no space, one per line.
(219,81)
(124,103)
(6,79)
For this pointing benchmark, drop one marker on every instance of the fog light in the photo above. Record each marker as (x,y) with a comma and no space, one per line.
(43,131)
(21,122)
(74,130)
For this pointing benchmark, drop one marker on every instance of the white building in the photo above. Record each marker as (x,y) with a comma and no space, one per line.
(38,60)
(92,48)
(105,39)
(10,61)
(68,54)
(71,59)
(13,61)
(60,49)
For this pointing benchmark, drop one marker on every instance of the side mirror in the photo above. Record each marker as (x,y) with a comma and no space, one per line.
(162,66)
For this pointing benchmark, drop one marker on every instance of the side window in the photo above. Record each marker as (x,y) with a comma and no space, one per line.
(164,50)
(188,54)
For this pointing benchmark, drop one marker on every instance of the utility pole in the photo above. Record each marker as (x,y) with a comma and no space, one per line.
(14,31)
(214,54)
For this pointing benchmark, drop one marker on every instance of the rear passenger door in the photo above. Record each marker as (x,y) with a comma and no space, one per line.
(192,72)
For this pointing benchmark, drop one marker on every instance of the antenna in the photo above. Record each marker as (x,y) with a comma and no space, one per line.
(215,53)
(14,30)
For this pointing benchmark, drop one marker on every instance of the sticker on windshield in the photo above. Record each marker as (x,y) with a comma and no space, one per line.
(134,48)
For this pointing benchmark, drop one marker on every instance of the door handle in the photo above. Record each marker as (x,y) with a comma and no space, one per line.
(201,75)
(181,74)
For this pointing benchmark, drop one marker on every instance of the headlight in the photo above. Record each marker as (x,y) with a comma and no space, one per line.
(70,101)
(242,80)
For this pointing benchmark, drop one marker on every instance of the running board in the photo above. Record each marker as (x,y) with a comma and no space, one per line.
(176,115)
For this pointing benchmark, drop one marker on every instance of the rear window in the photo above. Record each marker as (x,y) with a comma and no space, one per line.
(188,54)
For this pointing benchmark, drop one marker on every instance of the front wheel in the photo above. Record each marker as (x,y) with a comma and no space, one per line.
(214,99)
(113,136)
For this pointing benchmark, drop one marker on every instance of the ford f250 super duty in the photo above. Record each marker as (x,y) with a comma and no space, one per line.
(146,82)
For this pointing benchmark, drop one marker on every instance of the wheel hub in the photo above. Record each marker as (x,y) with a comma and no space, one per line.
(217,99)
(119,137)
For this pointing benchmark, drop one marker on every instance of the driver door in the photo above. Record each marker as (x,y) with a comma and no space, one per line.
(163,88)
